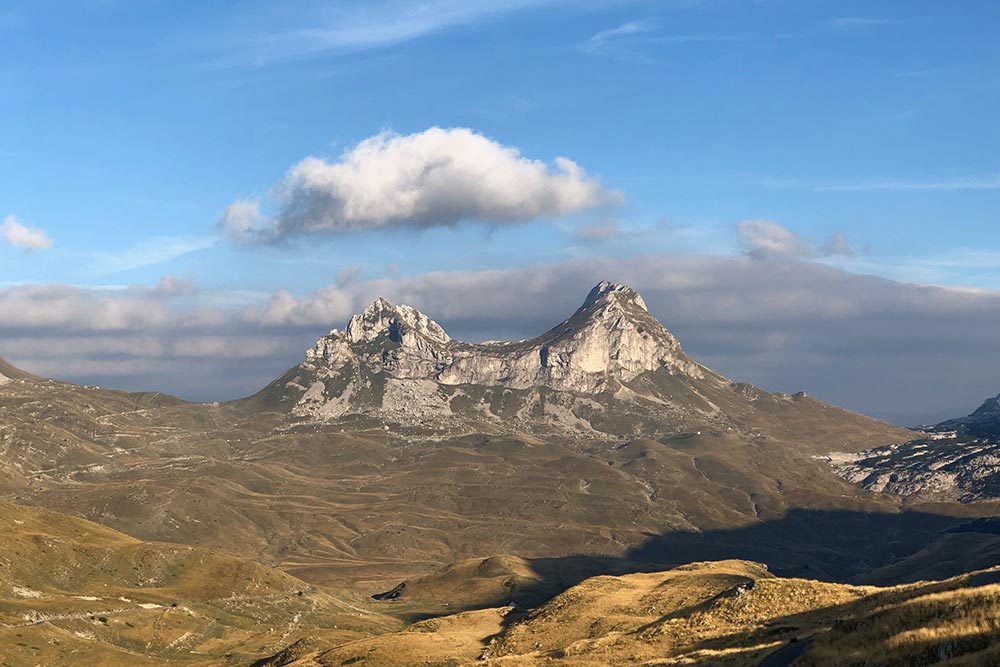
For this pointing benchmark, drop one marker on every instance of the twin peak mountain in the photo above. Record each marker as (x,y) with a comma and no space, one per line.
(608,369)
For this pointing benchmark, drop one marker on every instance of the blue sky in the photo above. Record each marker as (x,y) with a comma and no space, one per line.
(129,127)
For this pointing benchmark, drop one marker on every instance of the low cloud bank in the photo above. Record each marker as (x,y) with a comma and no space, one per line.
(896,350)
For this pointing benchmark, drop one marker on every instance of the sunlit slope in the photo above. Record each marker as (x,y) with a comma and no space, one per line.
(727,614)
(337,503)
(75,593)
(596,438)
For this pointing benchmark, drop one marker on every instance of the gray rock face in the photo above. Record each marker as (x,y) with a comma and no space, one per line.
(611,337)
(397,359)
(958,459)
(983,423)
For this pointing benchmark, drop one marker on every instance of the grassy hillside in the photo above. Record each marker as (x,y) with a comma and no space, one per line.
(75,593)
(726,614)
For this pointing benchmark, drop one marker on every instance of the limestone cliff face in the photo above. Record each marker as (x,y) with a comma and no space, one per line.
(612,337)
(396,361)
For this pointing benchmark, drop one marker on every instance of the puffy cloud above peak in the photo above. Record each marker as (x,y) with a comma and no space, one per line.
(16,234)
(434,178)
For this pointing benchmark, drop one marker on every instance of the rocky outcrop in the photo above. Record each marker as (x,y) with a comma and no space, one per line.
(984,422)
(610,339)
(958,459)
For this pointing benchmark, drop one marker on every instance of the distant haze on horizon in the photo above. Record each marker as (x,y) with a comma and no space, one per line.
(805,193)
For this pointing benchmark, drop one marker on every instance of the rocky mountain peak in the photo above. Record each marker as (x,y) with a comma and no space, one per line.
(984,422)
(394,359)
(607,292)
(989,409)
(401,324)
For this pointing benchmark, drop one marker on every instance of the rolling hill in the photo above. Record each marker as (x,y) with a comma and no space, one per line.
(75,593)
(725,614)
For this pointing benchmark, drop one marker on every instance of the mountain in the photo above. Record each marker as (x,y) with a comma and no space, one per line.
(396,362)
(956,460)
(610,371)
(983,423)
(393,448)
(395,454)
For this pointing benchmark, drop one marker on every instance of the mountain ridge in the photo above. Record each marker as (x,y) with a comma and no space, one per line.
(955,460)
(396,364)
(9,372)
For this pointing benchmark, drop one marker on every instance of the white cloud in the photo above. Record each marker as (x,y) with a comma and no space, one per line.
(340,28)
(175,286)
(242,218)
(599,40)
(348,275)
(434,178)
(150,252)
(913,186)
(856,340)
(836,245)
(761,239)
(20,236)
(985,183)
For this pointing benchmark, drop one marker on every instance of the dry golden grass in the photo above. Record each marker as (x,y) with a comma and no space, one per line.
(723,614)
(78,594)
(948,627)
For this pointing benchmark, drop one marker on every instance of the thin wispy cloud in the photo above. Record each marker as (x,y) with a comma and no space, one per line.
(373,25)
(634,39)
(909,186)
(989,183)
(709,38)
(150,253)
(861,22)
(600,40)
